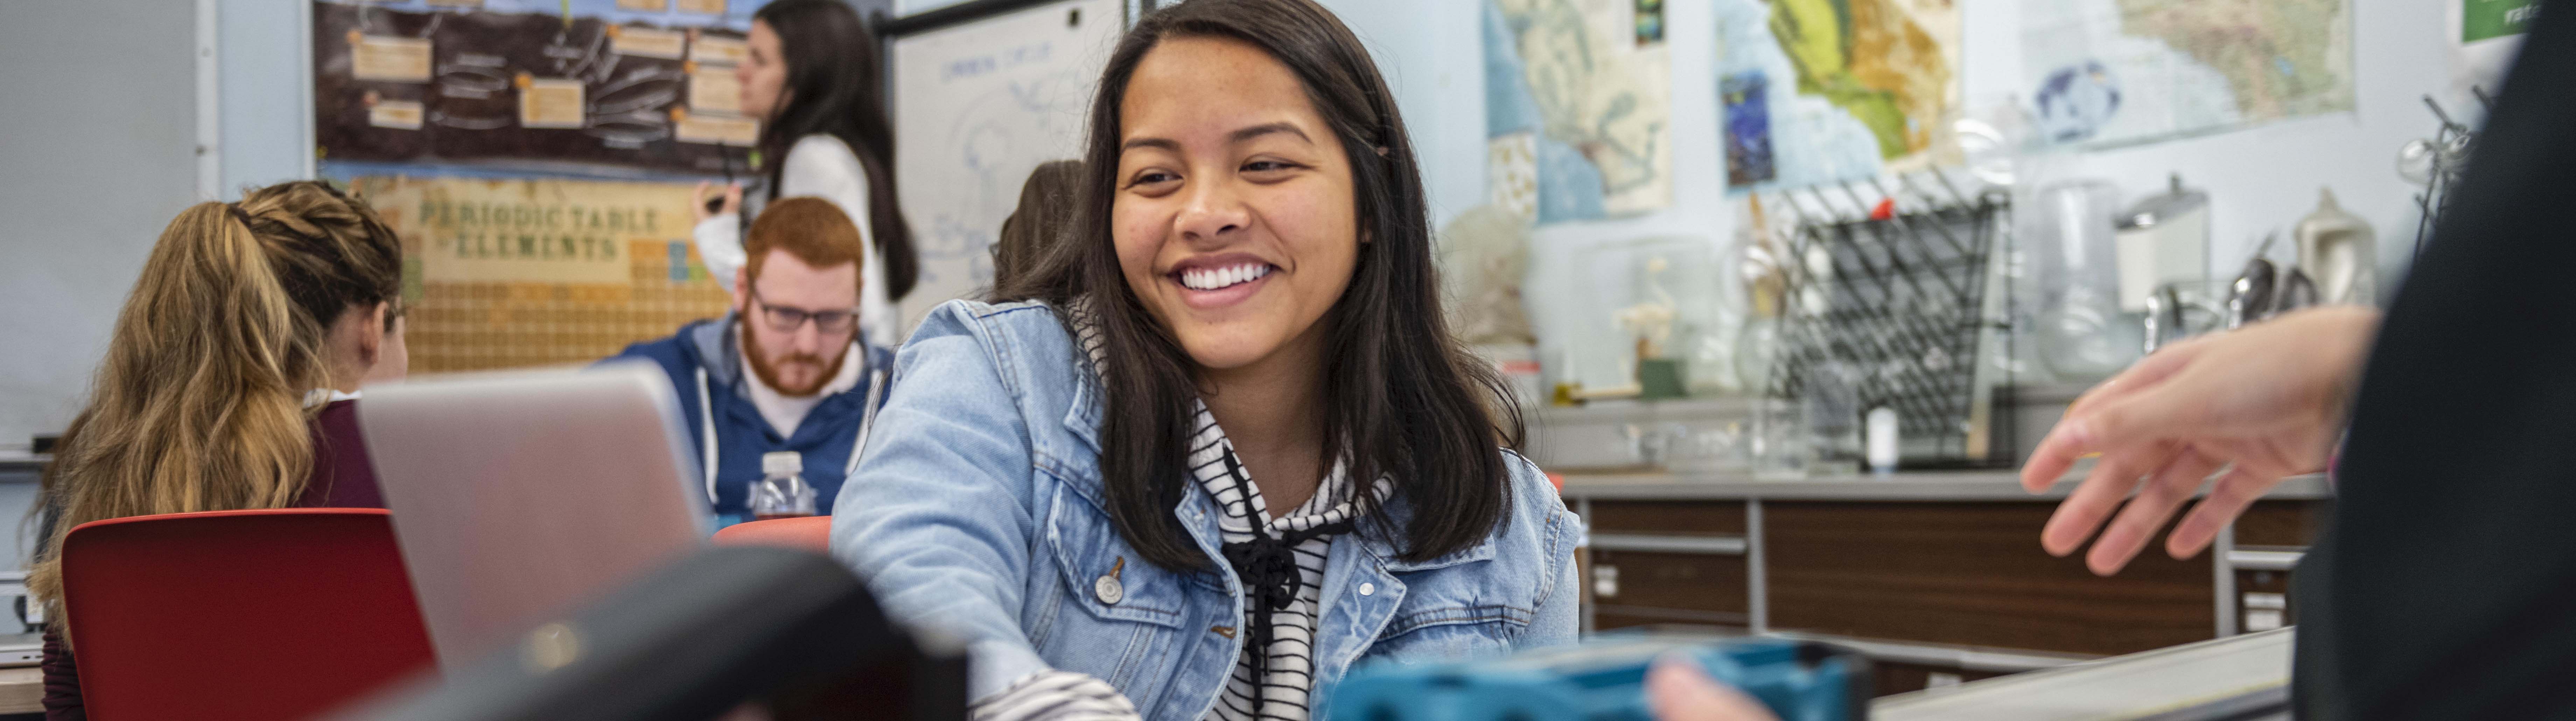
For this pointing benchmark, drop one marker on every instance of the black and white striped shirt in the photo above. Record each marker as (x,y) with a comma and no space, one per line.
(1285,555)
(1270,684)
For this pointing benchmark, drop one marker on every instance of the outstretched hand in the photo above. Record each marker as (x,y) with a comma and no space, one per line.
(2263,403)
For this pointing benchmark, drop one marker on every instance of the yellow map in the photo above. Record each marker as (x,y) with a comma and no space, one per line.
(1872,59)
(1819,91)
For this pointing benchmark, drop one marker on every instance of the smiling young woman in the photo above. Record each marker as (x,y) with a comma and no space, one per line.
(1222,446)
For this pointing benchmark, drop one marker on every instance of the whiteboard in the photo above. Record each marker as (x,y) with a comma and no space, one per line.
(103,153)
(976,107)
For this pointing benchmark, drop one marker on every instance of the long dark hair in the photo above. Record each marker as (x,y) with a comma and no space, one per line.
(832,88)
(1405,399)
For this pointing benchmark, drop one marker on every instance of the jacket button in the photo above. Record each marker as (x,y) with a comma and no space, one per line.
(1368,589)
(1108,589)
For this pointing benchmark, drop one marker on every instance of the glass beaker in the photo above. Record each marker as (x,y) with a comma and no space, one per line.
(2083,334)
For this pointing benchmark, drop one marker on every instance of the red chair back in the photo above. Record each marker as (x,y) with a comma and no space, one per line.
(273,614)
(810,533)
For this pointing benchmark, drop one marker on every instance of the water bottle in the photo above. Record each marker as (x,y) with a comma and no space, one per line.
(782,493)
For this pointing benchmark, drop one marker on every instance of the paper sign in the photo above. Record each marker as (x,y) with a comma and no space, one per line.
(2483,19)
(649,6)
(712,50)
(712,129)
(389,59)
(703,7)
(714,90)
(551,103)
(397,114)
(648,42)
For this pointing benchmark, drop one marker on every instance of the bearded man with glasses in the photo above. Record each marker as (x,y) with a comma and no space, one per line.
(812,385)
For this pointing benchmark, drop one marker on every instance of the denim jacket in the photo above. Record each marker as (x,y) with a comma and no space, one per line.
(978,511)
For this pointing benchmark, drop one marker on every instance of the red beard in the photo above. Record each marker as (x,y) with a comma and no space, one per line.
(767,368)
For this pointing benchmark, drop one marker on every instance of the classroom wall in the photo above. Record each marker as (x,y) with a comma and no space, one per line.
(2266,178)
(2260,179)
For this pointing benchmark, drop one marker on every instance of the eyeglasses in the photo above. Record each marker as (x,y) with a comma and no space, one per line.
(787,320)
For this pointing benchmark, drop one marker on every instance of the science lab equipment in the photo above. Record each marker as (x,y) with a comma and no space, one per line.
(2162,239)
(1895,296)
(2340,252)
(1881,437)
(2082,332)
(2437,162)
(2181,310)
(2264,289)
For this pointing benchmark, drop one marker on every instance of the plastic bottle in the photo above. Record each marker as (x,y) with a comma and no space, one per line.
(1880,436)
(782,493)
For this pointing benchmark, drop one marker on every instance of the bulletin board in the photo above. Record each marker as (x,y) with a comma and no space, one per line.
(510,273)
(645,84)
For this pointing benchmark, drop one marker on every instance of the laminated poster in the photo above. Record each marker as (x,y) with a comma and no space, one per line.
(533,272)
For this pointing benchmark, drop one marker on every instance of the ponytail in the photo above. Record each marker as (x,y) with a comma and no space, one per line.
(199,404)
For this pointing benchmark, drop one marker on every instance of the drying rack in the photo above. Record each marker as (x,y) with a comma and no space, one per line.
(2445,157)
(1897,288)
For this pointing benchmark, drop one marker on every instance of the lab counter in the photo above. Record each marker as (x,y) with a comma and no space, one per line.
(2244,678)
(1938,576)
(1997,485)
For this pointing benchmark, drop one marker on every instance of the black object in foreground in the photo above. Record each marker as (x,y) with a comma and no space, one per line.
(789,629)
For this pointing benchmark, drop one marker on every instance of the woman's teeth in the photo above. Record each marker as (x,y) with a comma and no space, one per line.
(1215,278)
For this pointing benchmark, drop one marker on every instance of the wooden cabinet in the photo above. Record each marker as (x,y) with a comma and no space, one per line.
(1689,519)
(1653,587)
(1970,574)
(2270,539)
(1936,576)
(1895,677)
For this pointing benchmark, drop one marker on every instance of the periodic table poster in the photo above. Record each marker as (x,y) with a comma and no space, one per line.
(511,273)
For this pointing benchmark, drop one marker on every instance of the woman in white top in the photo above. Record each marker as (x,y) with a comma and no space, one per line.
(812,81)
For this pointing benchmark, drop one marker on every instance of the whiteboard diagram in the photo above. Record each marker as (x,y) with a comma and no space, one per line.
(977,106)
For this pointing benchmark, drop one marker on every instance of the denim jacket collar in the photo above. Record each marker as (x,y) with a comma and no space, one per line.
(1197,510)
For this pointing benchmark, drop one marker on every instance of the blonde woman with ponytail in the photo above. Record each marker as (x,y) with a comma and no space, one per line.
(228,383)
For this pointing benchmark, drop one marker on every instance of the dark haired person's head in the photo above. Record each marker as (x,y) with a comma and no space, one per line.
(813,71)
(1251,213)
(1044,212)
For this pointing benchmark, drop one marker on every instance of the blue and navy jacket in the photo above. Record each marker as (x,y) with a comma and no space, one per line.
(706,368)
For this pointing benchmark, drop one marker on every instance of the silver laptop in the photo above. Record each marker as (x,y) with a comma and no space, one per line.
(519,496)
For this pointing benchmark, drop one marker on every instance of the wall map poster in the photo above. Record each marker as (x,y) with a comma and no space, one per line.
(532,272)
(610,82)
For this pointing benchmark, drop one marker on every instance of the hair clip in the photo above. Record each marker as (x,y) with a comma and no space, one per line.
(1381,151)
